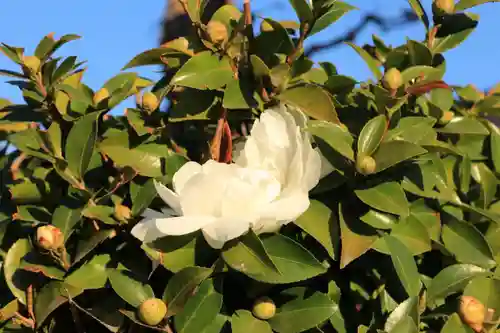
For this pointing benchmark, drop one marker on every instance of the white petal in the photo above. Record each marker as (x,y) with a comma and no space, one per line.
(184,174)
(145,230)
(225,229)
(151,214)
(167,195)
(182,225)
(286,209)
(312,165)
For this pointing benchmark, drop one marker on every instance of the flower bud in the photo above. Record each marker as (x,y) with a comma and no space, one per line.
(122,213)
(264,308)
(152,311)
(366,165)
(392,79)
(266,26)
(32,63)
(447,6)
(100,95)
(150,101)
(472,312)
(446,117)
(217,32)
(49,237)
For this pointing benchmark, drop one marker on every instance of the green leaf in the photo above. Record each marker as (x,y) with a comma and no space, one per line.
(356,237)
(388,197)
(419,71)
(419,11)
(217,325)
(50,297)
(466,4)
(332,15)
(242,321)
(66,218)
(454,32)
(142,194)
(371,135)
(238,95)
(406,325)
(86,245)
(38,264)
(303,10)
(302,314)
(467,244)
(181,286)
(486,290)
(334,136)
(455,325)
(369,60)
(92,275)
(495,147)
(488,181)
(453,279)
(16,280)
(321,223)
(405,265)
(312,100)
(204,71)
(200,310)
(292,261)
(378,219)
(391,153)
(129,287)
(406,309)
(80,143)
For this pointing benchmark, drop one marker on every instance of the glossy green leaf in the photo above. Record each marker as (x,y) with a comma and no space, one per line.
(419,10)
(142,194)
(455,325)
(243,321)
(391,153)
(66,218)
(86,245)
(80,144)
(388,197)
(312,100)
(16,280)
(238,95)
(334,136)
(405,265)
(457,29)
(321,223)
(407,309)
(181,286)
(466,4)
(303,9)
(292,261)
(418,71)
(200,310)
(371,135)
(369,60)
(467,244)
(204,71)
(378,219)
(356,238)
(453,279)
(488,181)
(129,287)
(332,15)
(52,296)
(92,275)
(313,310)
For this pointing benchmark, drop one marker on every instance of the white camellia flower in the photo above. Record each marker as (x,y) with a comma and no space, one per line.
(265,188)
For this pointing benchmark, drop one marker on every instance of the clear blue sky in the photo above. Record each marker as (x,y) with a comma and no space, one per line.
(115,31)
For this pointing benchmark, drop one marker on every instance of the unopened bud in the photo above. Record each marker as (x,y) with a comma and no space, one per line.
(264,308)
(266,26)
(447,6)
(392,79)
(366,165)
(122,213)
(152,311)
(472,312)
(446,117)
(100,95)
(32,63)
(217,32)
(149,101)
(49,237)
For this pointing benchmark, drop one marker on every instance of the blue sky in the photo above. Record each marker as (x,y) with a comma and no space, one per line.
(115,31)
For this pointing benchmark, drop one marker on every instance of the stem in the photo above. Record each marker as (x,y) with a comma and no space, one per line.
(304,29)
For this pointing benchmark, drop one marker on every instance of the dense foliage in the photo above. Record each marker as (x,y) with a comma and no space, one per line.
(403,235)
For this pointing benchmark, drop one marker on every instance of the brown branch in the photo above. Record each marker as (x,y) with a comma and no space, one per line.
(383,23)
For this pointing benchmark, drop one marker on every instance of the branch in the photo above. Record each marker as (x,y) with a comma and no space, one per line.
(385,24)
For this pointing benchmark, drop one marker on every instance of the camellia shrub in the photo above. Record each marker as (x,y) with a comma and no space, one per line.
(275,195)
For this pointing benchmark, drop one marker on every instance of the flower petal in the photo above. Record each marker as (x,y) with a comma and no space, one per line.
(286,209)
(184,174)
(145,230)
(312,165)
(225,229)
(182,225)
(167,195)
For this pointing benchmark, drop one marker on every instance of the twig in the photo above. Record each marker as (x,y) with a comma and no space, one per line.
(304,29)
(29,302)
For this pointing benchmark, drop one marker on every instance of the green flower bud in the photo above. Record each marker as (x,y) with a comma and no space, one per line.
(264,308)
(149,101)
(392,79)
(122,213)
(447,6)
(152,311)
(366,165)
